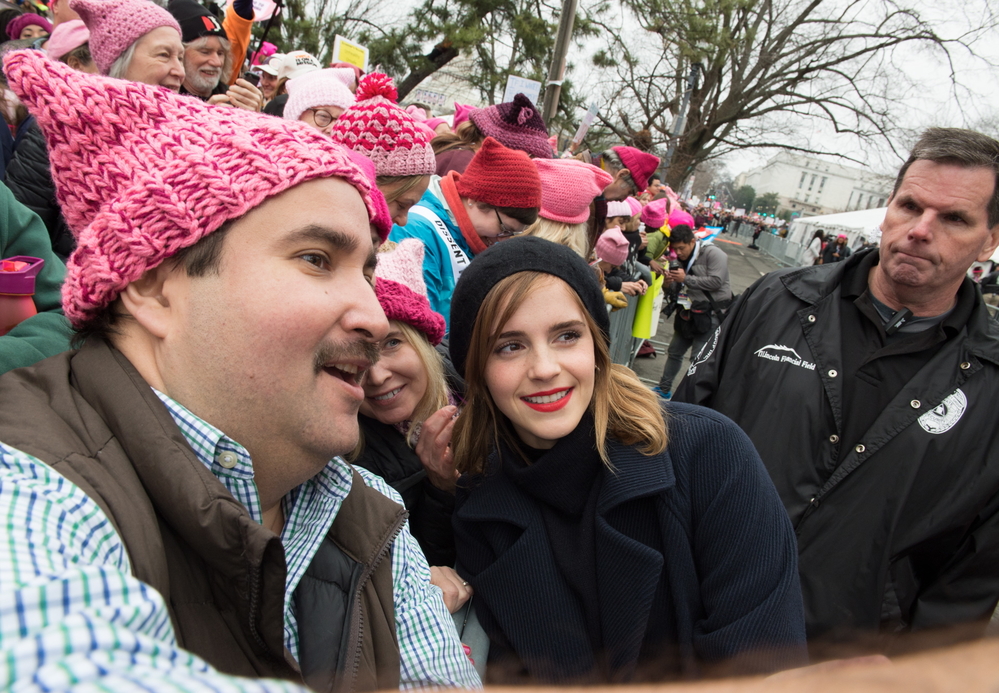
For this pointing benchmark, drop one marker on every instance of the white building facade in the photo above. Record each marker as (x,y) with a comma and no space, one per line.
(809,186)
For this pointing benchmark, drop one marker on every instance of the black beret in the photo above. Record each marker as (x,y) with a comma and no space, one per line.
(522,254)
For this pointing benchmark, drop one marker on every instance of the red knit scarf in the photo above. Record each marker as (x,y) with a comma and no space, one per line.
(453,200)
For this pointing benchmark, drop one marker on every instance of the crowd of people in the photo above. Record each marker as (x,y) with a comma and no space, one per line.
(326,392)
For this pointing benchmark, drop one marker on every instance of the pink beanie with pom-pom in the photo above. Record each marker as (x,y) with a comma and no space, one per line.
(376,127)
(402,292)
(141,172)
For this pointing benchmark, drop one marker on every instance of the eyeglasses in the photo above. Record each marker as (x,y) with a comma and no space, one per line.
(321,117)
(505,231)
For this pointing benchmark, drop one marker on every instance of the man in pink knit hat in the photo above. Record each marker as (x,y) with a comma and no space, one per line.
(177,515)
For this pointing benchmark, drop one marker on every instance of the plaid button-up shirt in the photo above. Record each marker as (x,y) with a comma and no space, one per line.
(72,613)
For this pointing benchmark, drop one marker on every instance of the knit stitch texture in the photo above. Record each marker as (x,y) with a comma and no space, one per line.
(316,88)
(640,164)
(379,129)
(654,213)
(612,246)
(402,292)
(117,24)
(141,172)
(568,186)
(516,124)
(501,177)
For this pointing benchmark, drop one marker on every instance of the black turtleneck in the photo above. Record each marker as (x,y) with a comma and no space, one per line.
(565,481)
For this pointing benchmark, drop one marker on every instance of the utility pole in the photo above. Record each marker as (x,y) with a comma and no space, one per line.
(681,118)
(557,72)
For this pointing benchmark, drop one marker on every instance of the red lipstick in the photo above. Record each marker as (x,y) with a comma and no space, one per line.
(548,407)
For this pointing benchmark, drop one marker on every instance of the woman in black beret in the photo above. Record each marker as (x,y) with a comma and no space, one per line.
(607,537)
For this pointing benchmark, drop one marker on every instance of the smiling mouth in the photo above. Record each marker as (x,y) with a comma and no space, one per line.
(388,395)
(350,373)
(550,401)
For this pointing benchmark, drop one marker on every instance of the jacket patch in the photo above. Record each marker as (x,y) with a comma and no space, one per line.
(945,415)
(783,354)
(705,353)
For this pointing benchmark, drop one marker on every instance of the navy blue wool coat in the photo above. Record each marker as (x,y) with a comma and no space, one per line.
(696,566)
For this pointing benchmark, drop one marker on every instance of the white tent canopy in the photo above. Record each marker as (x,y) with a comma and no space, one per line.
(861,223)
(864,223)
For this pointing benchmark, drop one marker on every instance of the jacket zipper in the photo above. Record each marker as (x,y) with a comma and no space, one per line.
(357,618)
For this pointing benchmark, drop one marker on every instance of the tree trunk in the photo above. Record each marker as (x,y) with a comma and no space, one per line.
(437,59)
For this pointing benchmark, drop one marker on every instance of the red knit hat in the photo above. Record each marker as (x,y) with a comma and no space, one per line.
(640,164)
(383,132)
(501,177)
(517,124)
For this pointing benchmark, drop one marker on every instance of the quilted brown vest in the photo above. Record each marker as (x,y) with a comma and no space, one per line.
(91,416)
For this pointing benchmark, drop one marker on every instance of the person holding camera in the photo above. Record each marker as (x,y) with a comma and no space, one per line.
(704,290)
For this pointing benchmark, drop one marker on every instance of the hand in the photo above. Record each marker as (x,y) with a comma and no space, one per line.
(634,288)
(615,299)
(456,591)
(678,275)
(219,100)
(656,267)
(645,240)
(434,448)
(244,95)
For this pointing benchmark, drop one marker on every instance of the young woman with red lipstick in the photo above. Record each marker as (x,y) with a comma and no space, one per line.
(606,538)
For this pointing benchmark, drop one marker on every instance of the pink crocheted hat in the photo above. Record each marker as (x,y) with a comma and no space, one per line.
(142,172)
(379,129)
(634,205)
(568,186)
(316,88)
(516,124)
(117,24)
(618,208)
(612,246)
(640,164)
(678,217)
(654,213)
(402,293)
(461,113)
(66,37)
(381,219)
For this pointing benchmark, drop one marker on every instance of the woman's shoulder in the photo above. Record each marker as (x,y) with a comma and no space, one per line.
(705,437)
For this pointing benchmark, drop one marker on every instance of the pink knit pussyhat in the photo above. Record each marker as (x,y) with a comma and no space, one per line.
(383,132)
(618,208)
(634,205)
(141,172)
(402,292)
(568,186)
(117,24)
(679,217)
(461,113)
(654,214)
(316,88)
(612,246)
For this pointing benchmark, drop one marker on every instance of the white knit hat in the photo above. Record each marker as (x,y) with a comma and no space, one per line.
(317,88)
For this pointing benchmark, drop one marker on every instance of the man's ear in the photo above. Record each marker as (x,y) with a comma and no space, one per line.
(620,174)
(148,298)
(991,243)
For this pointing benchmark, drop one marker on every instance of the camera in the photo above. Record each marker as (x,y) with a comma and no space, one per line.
(252,77)
(675,265)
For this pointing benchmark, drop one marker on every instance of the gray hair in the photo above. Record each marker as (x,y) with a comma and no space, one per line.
(202,41)
(614,162)
(964,148)
(119,68)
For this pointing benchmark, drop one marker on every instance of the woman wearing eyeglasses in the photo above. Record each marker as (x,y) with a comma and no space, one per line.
(462,214)
(318,98)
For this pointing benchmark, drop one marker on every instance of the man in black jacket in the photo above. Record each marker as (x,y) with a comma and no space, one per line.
(867,387)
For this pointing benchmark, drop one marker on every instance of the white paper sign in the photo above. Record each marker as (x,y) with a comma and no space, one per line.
(518,85)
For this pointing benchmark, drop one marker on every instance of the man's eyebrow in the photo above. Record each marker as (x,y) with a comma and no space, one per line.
(338,240)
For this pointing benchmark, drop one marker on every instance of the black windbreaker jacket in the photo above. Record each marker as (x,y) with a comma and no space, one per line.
(901,531)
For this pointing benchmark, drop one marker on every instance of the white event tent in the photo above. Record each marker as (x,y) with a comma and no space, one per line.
(861,223)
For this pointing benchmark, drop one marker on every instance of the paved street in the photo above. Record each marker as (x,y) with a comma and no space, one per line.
(745,266)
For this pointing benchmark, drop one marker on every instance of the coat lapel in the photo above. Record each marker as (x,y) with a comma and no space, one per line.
(628,571)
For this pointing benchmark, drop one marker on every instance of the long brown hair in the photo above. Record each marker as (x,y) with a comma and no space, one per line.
(622,407)
(465,136)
